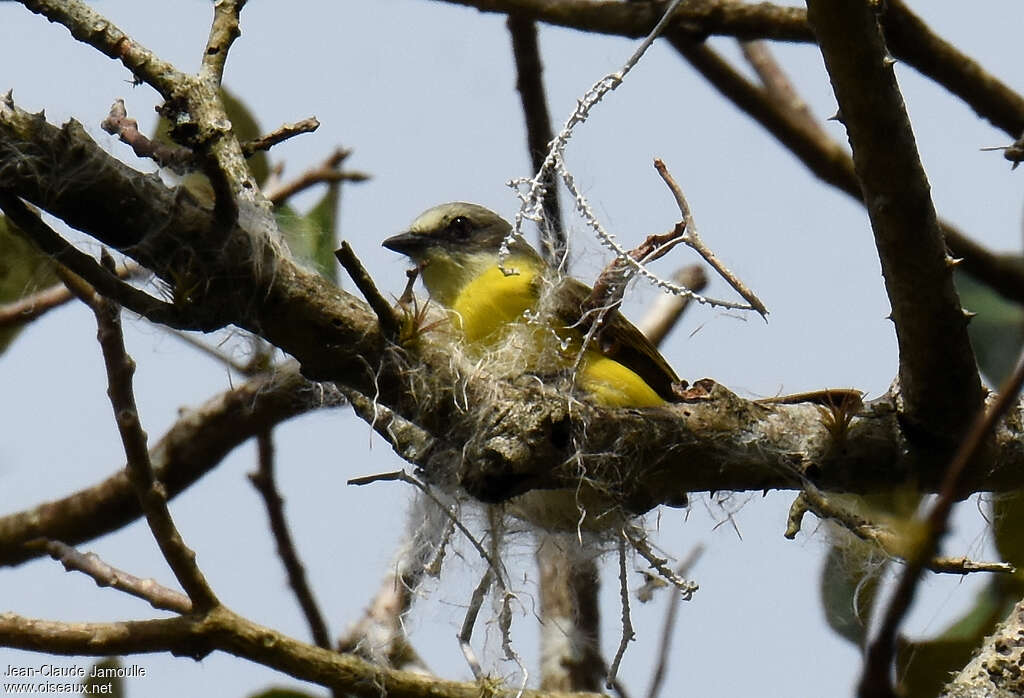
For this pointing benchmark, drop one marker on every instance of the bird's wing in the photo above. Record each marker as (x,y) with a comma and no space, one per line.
(619,339)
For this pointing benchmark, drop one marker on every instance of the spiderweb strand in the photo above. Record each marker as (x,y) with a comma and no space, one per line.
(531,191)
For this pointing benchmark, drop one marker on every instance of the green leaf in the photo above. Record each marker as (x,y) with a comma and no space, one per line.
(110,667)
(923,668)
(23,271)
(313,237)
(1008,525)
(323,219)
(997,331)
(849,587)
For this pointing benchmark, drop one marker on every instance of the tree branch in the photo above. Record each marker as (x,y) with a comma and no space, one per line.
(223,33)
(876,679)
(281,134)
(941,390)
(264,482)
(995,669)
(539,133)
(159,597)
(830,162)
(494,438)
(33,306)
(909,39)
(223,630)
(150,492)
(104,280)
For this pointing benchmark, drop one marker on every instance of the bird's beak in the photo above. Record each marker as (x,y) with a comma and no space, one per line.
(410,244)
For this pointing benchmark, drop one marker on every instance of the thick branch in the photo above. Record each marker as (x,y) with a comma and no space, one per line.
(995,670)
(941,389)
(496,439)
(223,630)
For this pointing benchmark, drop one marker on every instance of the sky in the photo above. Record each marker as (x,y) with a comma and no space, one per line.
(424,94)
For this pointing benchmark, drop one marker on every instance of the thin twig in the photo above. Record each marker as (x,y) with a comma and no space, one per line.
(691,237)
(175,157)
(214,352)
(539,133)
(158,596)
(813,499)
(627,625)
(610,286)
(494,570)
(389,322)
(476,602)
(327,171)
(103,280)
(313,177)
(282,133)
(532,198)
(638,540)
(35,305)
(223,32)
(150,492)
(264,482)
(777,85)
(402,476)
(668,628)
(665,312)
(875,678)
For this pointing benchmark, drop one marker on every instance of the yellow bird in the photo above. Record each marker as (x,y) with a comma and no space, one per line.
(456,247)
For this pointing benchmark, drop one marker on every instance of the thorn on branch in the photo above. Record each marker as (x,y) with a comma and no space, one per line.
(1013,152)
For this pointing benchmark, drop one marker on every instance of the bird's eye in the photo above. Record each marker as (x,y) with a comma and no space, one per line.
(460,227)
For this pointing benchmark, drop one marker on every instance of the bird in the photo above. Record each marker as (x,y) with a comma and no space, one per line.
(457,248)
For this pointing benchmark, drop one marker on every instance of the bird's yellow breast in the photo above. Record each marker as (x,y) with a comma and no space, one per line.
(486,301)
(492,300)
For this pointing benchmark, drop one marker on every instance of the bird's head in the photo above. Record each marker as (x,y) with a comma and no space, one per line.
(453,243)
(454,228)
